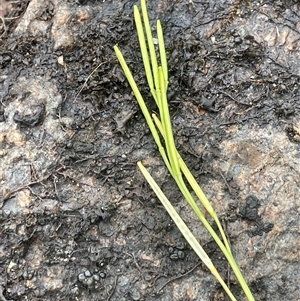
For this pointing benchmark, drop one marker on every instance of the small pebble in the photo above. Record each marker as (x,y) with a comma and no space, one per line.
(174,256)
(102,275)
(180,254)
(87,273)
(81,277)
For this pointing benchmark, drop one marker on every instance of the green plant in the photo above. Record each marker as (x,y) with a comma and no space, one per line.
(157,78)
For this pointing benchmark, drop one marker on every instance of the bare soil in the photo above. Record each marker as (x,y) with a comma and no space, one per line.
(78,221)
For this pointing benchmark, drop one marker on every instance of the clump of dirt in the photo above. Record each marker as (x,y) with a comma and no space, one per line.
(10,14)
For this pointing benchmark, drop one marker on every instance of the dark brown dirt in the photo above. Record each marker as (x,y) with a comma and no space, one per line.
(78,220)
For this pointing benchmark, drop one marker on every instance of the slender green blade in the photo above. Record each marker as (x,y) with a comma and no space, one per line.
(167,126)
(144,50)
(142,105)
(188,235)
(176,218)
(162,53)
(225,248)
(138,95)
(150,43)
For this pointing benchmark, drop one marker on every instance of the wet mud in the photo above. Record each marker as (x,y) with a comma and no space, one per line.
(78,221)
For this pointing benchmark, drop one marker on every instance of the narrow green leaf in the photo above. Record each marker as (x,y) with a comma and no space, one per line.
(162,52)
(167,126)
(225,248)
(188,235)
(138,95)
(142,105)
(144,51)
(151,46)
